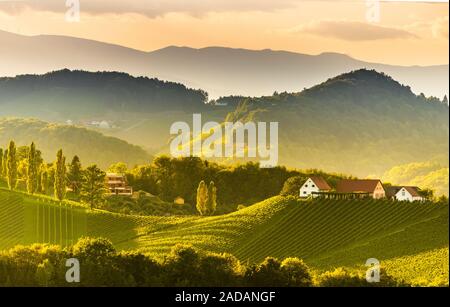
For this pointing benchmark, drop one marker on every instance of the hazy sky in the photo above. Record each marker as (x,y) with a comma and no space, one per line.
(406,33)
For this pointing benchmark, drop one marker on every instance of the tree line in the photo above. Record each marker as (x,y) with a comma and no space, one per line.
(243,184)
(185,266)
(230,186)
(24,167)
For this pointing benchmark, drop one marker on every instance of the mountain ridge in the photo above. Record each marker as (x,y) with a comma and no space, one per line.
(221,71)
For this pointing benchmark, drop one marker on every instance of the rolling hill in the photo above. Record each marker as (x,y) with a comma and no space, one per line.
(65,94)
(90,146)
(325,233)
(220,71)
(138,110)
(362,123)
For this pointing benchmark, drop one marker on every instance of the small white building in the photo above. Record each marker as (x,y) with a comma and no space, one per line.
(314,184)
(408,194)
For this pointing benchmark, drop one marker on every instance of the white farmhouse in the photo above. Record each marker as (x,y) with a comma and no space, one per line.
(408,194)
(314,184)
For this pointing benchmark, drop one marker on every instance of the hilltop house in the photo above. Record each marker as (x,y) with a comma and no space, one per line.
(405,193)
(117,185)
(313,185)
(362,187)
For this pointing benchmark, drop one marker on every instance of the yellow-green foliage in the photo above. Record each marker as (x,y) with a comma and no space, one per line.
(430,175)
(424,269)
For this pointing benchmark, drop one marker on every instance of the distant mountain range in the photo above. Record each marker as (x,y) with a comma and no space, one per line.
(219,71)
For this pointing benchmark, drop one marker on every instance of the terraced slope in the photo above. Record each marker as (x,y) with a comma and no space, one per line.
(29,219)
(323,232)
(341,232)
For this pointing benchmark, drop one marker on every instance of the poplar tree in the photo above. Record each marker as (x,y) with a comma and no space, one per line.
(11,166)
(212,199)
(4,160)
(44,180)
(32,171)
(202,198)
(60,176)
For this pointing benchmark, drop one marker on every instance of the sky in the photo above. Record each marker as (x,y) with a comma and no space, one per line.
(392,32)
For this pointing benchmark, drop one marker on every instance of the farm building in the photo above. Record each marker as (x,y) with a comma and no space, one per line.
(117,185)
(404,193)
(313,185)
(363,187)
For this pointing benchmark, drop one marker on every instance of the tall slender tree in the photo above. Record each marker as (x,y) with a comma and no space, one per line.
(32,172)
(212,199)
(202,198)
(75,175)
(4,161)
(60,176)
(44,179)
(11,166)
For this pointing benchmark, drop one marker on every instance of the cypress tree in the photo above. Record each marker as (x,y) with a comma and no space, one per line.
(60,176)
(32,172)
(11,166)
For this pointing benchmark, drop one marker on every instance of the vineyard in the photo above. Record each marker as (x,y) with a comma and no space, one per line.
(405,237)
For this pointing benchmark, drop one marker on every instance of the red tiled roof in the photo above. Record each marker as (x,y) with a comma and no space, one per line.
(353,186)
(320,183)
(414,191)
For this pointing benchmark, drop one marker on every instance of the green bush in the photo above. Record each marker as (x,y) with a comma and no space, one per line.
(101,265)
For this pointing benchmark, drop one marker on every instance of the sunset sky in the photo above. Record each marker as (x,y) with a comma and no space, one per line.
(407,33)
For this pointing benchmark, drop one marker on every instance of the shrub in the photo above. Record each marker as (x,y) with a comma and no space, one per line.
(267,274)
(297,273)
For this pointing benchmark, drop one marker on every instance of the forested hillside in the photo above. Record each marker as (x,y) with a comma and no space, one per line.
(90,146)
(80,94)
(362,123)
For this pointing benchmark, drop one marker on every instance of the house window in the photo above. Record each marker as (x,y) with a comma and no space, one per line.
(403,193)
(313,186)
(306,185)
(304,192)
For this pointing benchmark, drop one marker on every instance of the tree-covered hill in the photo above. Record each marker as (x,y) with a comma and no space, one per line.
(362,122)
(80,94)
(90,146)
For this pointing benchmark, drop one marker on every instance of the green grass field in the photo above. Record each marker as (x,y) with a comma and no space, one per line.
(410,239)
